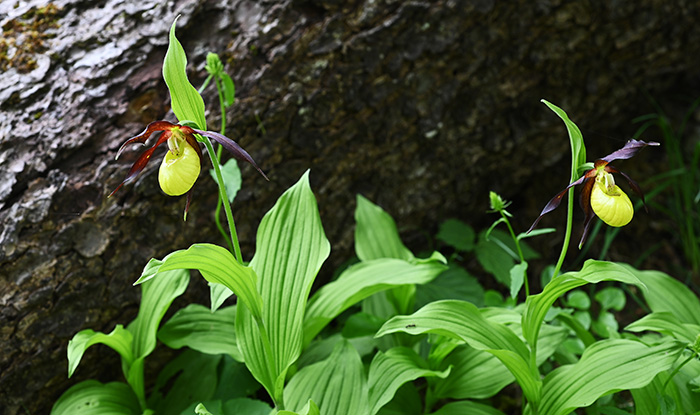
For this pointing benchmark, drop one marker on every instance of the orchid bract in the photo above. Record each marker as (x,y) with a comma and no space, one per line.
(600,195)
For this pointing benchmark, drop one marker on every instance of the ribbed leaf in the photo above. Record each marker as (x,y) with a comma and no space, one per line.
(196,327)
(467,408)
(309,409)
(605,367)
(186,102)
(290,249)
(475,374)
(156,296)
(217,265)
(463,321)
(389,371)
(536,306)
(578,149)
(94,398)
(359,282)
(646,399)
(668,294)
(376,235)
(119,340)
(338,384)
(666,323)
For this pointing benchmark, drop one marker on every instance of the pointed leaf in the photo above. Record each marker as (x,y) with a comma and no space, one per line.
(338,384)
(156,296)
(186,102)
(536,306)
(518,273)
(232,178)
(196,327)
(290,249)
(475,374)
(606,366)
(389,371)
(578,149)
(217,265)
(229,89)
(668,324)
(376,235)
(463,321)
(119,340)
(457,234)
(94,398)
(359,282)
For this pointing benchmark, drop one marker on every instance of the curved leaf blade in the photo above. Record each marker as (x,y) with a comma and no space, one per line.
(119,340)
(186,102)
(94,398)
(198,328)
(361,281)
(376,235)
(668,294)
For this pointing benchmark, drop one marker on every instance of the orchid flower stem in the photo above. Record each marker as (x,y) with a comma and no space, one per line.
(567,234)
(224,199)
(220,202)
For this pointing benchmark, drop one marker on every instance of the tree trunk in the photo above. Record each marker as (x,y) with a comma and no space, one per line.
(421,106)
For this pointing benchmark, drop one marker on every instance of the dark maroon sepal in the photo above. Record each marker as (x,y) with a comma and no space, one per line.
(630,148)
(232,147)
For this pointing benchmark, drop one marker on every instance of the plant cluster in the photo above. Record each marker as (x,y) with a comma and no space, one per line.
(394,332)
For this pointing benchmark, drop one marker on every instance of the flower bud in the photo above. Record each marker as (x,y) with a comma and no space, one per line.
(179,170)
(609,202)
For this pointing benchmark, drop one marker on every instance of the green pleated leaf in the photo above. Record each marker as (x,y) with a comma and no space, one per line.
(94,398)
(218,294)
(217,265)
(338,384)
(475,374)
(605,367)
(457,234)
(186,102)
(376,235)
(119,340)
(359,282)
(467,408)
(156,296)
(309,409)
(454,284)
(668,294)
(666,323)
(196,327)
(290,249)
(229,89)
(646,399)
(536,306)
(389,371)
(463,321)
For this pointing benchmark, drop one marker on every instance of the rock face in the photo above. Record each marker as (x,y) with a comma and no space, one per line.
(421,106)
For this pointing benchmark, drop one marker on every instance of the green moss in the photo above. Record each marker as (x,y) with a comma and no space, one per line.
(27,34)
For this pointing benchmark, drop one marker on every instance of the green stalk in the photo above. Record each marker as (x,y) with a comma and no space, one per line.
(220,202)
(517,246)
(224,198)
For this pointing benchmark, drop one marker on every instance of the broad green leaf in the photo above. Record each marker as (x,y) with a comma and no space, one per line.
(453,284)
(156,296)
(646,399)
(467,407)
(611,298)
(290,249)
(246,406)
(475,374)
(94,398)
(376,235)
(218,293)
(666,323)
(338,384)
(231,372)
(186,102)
(359,282)
(217,265)
(494,259)
(668,294)
(518,273)
(200,409)
(605,367)
(457,234)
(232,178)
(463,321)
(407,401)
(320,349)
(196,327)
(536,306)
(578,299)
(361,325)
(119,340)
(578,149)
(189,378)
(389,371)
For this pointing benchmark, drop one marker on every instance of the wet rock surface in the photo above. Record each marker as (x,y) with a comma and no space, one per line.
(420,106)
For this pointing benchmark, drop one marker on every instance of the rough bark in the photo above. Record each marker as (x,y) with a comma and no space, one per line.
(422,106)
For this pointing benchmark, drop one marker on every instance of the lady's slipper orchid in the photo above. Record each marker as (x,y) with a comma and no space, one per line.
(600,195)
(181,164)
